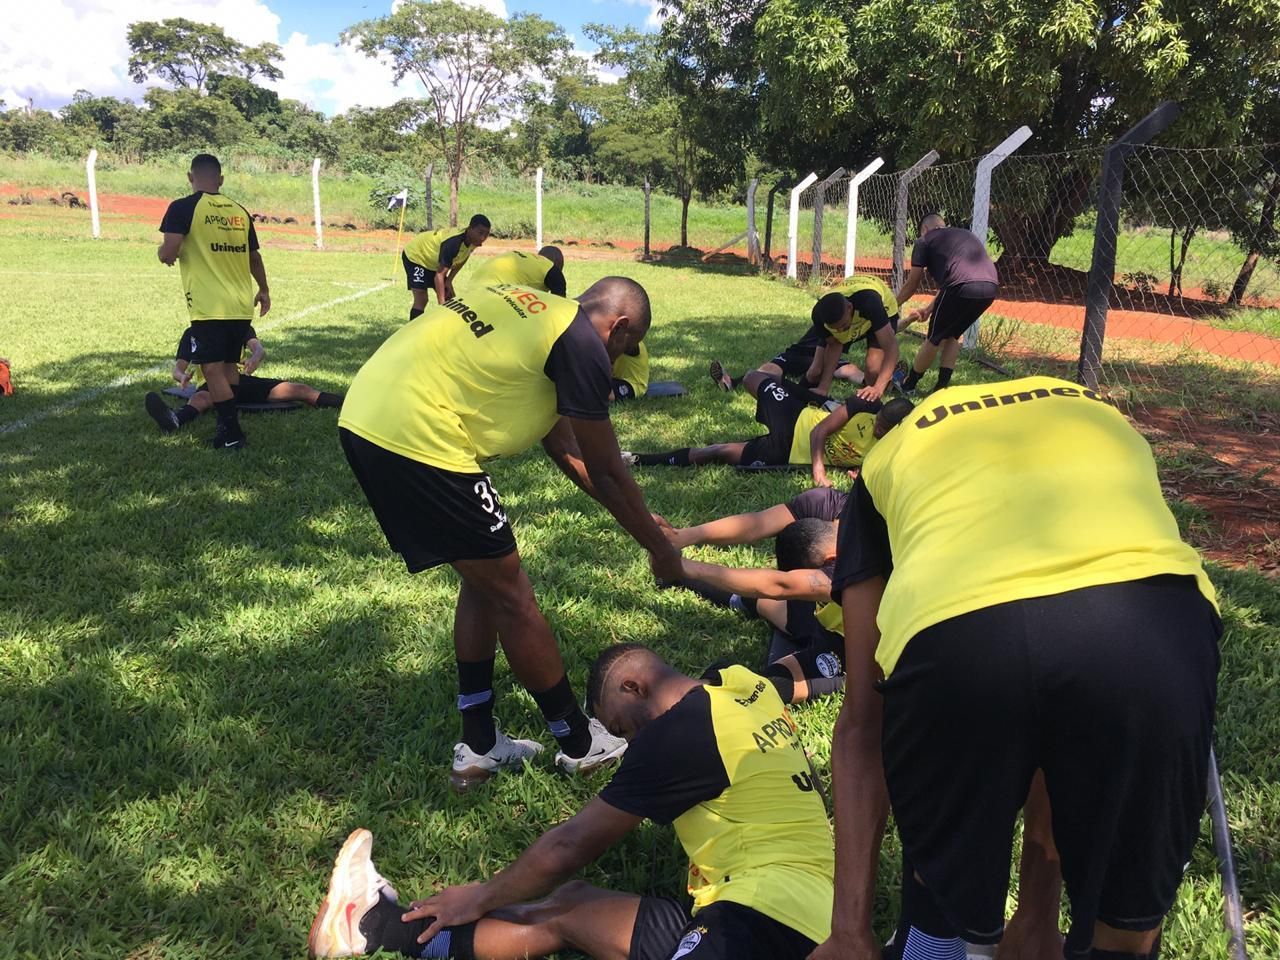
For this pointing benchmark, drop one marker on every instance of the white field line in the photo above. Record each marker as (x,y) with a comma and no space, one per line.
(164,279)
(130,378)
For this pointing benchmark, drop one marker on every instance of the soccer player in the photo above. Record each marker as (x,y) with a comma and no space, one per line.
(213,241)
(487,374)
(798,434)
(719,758)
(967,281)
(250,389)
(861,308)
(433,258)
(1015,590)
(543,270)
(631,374)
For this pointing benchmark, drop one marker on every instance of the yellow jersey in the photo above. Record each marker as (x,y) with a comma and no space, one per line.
(434,249)
(1007,491)
(845,448)
(523,269)
(634,370)
(727,768)
(218,236)
(482,375)
(863,324)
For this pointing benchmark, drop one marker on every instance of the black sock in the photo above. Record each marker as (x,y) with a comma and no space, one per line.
(803,391)
(414,313)
(383,929)
(475,703)
(329,399)
(735,381)
(912,379)
(672,458)
(944,376)
(185,414)
(227,420)
(565,719)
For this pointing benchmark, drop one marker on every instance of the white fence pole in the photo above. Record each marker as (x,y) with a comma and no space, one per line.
(982,201)
(538,209)
(89,165)
(794,223)
(315,196)
(851,231)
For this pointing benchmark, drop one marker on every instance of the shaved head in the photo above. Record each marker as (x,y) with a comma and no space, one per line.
(618,297)
(630,685)
(553,254)
(932,221)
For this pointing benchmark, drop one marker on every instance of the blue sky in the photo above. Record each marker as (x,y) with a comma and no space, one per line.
(91,52)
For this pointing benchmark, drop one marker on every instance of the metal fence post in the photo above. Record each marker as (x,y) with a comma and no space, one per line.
(767,253)
(753,239)
(315,202)
(1103,266)
(793,223)
(900,217)
(430,169)
(851,230)
(538,209)
(90,163)
(819,199)
(982,201)
(647,189)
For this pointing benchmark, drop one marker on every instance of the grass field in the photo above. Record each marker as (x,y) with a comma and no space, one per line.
(212,668)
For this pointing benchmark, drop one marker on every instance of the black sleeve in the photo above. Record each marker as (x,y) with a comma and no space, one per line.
(672,766)
(870,307)
(862,549)
(856,405)
(820,503)
(449,250)
(579,366)
(253,234)
(177,219)
(920,253)
(184,348)
(555,281)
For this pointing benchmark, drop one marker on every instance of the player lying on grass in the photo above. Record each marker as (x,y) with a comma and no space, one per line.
(718,758)
(432,259)
(798,434)
(543,270)
(862,308)
(249,389)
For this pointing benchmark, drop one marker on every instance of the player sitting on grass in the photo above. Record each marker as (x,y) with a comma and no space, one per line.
(250,389)
(862,308)
(432,259)
(719,758)
(543,270)
(798,433)
(631,374)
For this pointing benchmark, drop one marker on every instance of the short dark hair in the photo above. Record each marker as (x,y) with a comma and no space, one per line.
(802,544)
(828,311)
(931,219)
(892,414)
(480,220)
(603,664)
(206,163)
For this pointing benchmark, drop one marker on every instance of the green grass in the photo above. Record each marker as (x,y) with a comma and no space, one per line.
(212,668)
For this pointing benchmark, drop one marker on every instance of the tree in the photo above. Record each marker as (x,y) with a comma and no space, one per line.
(185,120)
(186,54)
(468,61)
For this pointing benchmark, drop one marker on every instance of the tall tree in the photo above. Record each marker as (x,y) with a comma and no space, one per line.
(185,54)
(469,62)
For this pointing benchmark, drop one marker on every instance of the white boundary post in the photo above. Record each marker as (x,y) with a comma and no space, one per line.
(315,197)
(851,231)
(982,202)
(538,208)
(89,165)
(900,214)
(793,223)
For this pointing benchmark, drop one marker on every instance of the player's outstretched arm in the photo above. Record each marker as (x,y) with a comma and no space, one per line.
(761,582)
(915,277)
(887,341)
(182,372)
(739,528)
(549,861)
(825,428)
(830,360)
(257,353)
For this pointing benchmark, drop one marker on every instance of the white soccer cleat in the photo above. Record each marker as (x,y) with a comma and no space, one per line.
(355,887)
(471,768)
(605,749)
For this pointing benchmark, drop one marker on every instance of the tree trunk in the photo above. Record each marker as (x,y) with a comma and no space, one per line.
(1175,270)
(453,198)
(684,219)
(1028,232)
(1266,224)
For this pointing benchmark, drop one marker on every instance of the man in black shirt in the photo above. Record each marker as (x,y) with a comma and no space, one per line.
(967,282)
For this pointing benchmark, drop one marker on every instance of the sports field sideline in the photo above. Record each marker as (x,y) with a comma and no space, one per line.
(197,705)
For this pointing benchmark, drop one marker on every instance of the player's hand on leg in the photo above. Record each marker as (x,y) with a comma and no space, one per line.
(847,946)
(451,907)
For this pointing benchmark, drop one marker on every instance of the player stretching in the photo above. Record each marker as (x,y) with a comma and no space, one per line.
(432,259)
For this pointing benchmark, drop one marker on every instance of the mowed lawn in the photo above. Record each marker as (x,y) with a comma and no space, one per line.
(212,668)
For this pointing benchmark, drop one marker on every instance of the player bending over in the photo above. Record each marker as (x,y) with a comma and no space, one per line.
(432,260)
(543,270)
(249,389)
(718,758)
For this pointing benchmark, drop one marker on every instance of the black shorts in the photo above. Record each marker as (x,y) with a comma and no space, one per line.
(430,516)
(956,308)
(252,389)
(622,390)
(1111,691)
(776,409)
(721,931)
(417,277)
(217,341)
(796,360)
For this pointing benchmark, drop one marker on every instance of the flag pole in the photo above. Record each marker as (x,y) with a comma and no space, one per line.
(399,234)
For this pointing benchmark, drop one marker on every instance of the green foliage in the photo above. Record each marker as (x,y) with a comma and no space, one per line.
(187,54)
(183,119)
